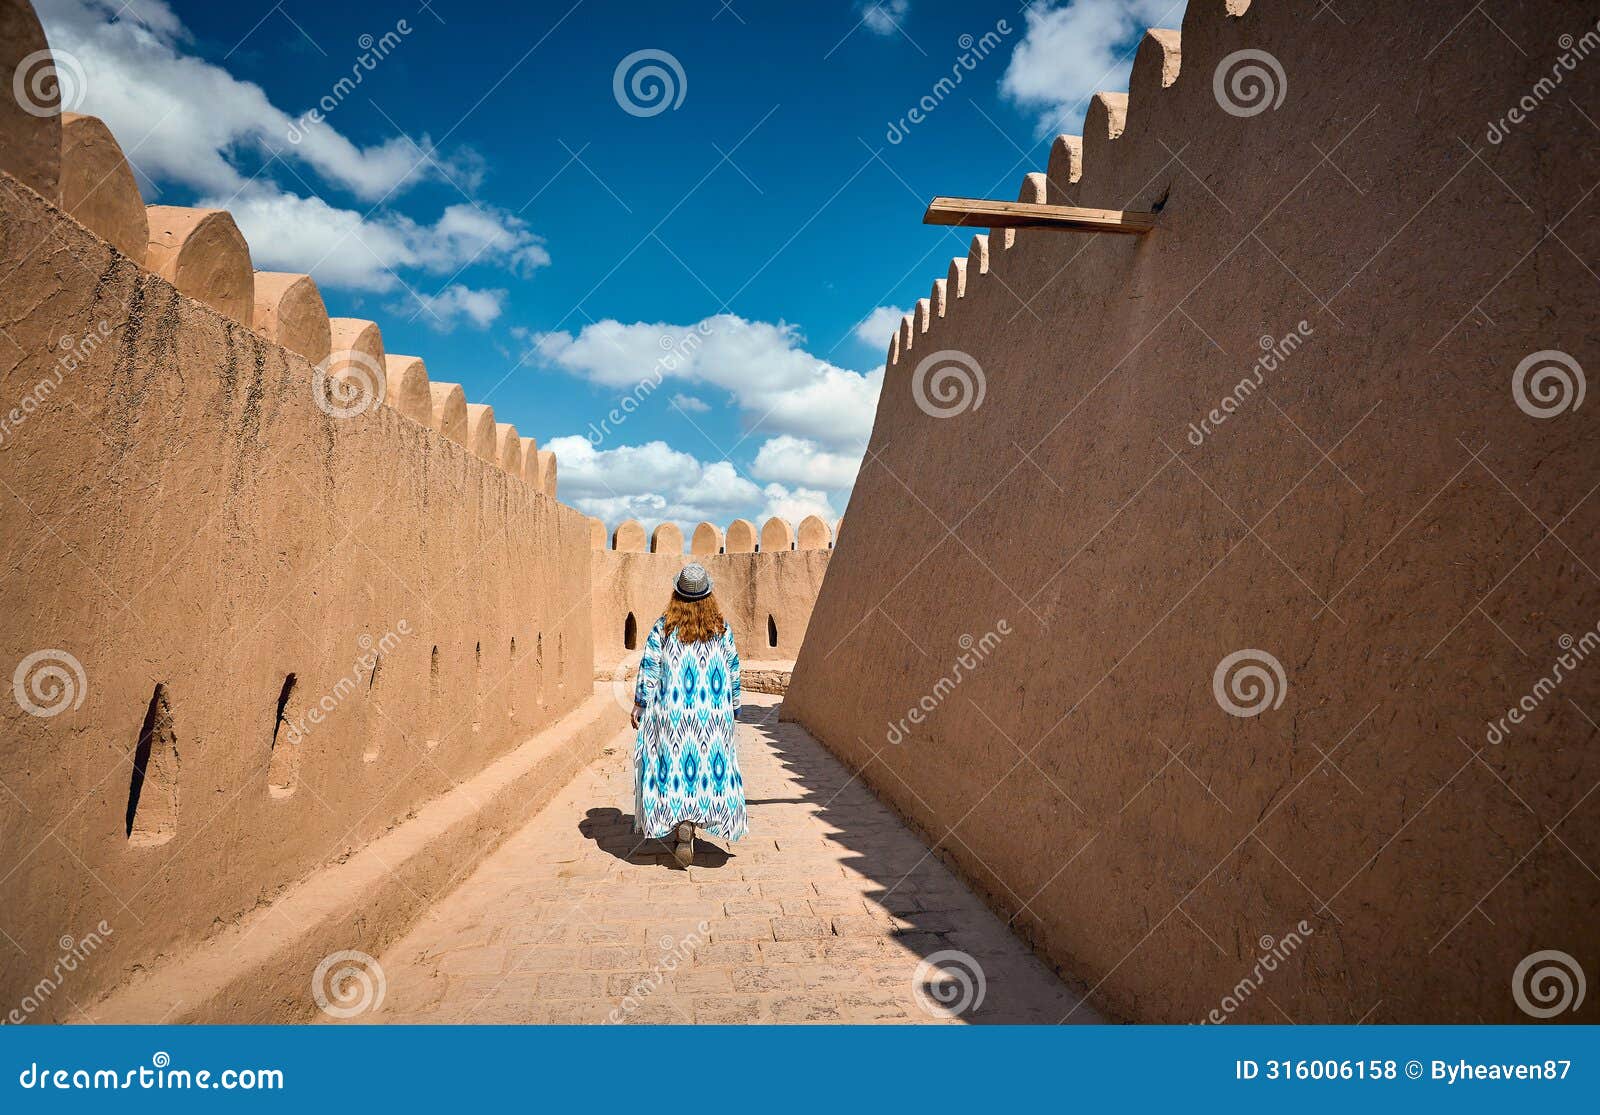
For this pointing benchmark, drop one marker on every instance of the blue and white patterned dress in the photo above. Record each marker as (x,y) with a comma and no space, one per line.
(686,763)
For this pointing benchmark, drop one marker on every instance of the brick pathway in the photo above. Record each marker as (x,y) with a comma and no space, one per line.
(824,913)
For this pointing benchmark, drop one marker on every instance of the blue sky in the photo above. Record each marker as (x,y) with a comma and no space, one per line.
(501,197)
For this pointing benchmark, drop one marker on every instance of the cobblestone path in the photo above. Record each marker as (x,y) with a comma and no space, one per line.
(831,910)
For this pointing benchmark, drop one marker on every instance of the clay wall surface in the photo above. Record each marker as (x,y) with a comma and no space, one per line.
(186,526)
(751,588)
(1409,537)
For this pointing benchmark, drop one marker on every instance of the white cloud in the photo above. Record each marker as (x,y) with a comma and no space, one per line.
(1070,52)
(797,504)
(690,405)
(183,120)
(772,379)
(453,304)
(651,483)
(884,17)
(878,326)
(798,461)
(341,248)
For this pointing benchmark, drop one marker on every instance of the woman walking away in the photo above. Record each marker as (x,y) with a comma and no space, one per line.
(685,705)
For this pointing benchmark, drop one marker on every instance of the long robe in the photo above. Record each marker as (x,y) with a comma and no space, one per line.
(686,759)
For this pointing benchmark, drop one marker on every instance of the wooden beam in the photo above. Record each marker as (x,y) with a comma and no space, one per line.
(971,212)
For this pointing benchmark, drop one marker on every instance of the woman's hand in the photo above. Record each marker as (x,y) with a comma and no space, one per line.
(638,710)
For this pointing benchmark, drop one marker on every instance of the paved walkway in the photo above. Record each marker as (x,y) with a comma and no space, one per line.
(831,910)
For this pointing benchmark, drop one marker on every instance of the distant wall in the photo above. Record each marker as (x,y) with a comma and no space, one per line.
(185,527)
(751,589)
(1375,510)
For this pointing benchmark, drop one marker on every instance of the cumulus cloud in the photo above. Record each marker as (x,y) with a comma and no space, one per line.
(651,482)
(797,504)
(1073,50)
(690,405)
(454,304)
(341,248)
(656,483)
(878,326)
(798,461)
(883,17)
(778,386)
(182,120)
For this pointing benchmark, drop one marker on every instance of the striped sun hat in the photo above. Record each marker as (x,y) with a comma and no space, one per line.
(694,583)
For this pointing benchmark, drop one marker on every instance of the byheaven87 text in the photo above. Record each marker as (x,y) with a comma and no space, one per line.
(1448,1072)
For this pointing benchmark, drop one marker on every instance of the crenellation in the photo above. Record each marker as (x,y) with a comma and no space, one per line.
(481,432)
(628,538)
(936,297)
(956,279)
(508,448)
(667,538)
(547,472)
(98,187)
(203,254)
(406,386)
(1064,169)
(289,311)
(448,412)
(813,534)
(707,539)
(740,538)
(30,134)
(777,536)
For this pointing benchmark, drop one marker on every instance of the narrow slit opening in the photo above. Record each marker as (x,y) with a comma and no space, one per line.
(630,632)
(772,631)
(283,766)
(152,814)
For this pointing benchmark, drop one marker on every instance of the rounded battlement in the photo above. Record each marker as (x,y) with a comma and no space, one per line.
(98,188)
(289,311)
(667,538)
(707,539)
(203,254)
(628,538)
(814,534)
(776,535)
(741,537)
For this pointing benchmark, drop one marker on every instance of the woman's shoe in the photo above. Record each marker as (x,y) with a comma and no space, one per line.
(683,852)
